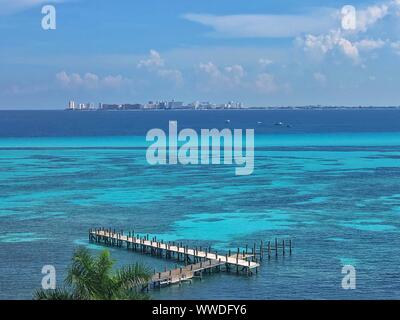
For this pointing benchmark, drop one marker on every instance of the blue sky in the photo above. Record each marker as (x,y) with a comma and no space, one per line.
(263,53)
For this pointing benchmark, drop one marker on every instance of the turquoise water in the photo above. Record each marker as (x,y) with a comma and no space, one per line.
(330,181)
(336,195)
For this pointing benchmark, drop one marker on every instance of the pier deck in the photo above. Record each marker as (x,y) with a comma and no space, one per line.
(197,261)
(185,273)
(235,260)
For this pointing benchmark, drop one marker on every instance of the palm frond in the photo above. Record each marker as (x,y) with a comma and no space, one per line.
(58,294)
(92,278)
(130,277)
(82,274)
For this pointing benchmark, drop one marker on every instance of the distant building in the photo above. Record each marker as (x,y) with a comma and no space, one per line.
(233,105)
(71,105)
(150,105)
(204,105)
(195,105)
(159,105)
(175,104)
(132,106)
(89,106)
(162,105)
(111,107)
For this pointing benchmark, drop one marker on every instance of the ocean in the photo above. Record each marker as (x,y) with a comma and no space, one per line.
(329,180)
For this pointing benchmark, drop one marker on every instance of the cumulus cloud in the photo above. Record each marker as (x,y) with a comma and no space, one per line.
(154,61)
(264,62)
(156,64)
(323,44)
(89,80)
(211,69)
(235,77)
(351,42)
(236,73)
(369,44)
(228,76)
(371,15)
(396,47)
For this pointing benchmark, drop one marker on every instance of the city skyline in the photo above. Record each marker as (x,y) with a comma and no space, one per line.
(154,105)
(263,53)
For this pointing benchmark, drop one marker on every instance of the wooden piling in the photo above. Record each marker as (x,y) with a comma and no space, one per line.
(197,261)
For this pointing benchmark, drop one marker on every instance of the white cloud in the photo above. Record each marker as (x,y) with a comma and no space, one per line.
(348,49)
(235,77)
(266,26)
(228,76)
(350,42)
(211,69)
(89,80)
(371,15)
(154,61)
(396,47)
(155,64)
(369,44)
(323,44)
(68,80)
(236,73)
(263,62)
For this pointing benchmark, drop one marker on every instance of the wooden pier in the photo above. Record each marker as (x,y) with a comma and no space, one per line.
(197,260)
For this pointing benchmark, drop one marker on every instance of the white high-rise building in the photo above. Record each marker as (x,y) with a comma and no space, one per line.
(71,105)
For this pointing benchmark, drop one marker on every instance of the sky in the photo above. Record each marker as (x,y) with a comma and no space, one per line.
(260,52)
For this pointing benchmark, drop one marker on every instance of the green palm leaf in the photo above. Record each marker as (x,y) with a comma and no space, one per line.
(93,278)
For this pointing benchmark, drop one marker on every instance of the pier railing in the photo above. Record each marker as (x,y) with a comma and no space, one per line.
(197,260)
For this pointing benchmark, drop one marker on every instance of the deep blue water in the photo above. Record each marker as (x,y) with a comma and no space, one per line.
(330,182)
(69,124)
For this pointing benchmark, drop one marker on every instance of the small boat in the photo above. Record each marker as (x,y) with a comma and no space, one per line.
(279,123)
(259,123)
(228,121)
